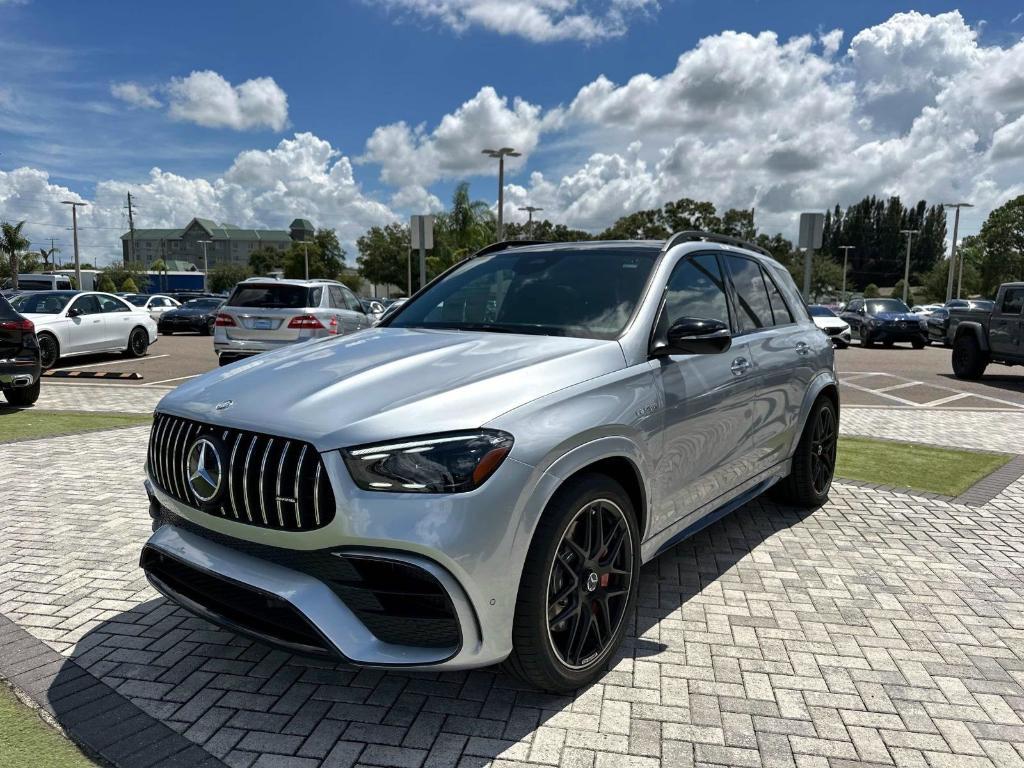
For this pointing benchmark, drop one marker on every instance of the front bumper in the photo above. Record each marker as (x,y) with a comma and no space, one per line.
(467,544)
(896,334)
(184,324)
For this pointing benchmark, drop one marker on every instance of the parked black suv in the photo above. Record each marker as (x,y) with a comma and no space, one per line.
(19,357)
(884,321)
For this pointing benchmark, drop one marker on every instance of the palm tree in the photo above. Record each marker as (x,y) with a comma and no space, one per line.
(12,242)
(46,255)
(467,227)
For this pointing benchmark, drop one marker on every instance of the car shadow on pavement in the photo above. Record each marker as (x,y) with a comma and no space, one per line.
(170,680)
(1005,381)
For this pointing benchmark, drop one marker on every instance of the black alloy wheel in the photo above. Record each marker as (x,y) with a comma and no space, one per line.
(49,351)
(138,343)
(589,584)
(823,450)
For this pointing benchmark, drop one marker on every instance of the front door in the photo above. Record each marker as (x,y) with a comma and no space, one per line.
(1005,324)
(708,411)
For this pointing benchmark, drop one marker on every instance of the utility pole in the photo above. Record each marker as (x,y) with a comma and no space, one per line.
(74,226)
(305,252)
(906,267)
(530,210)
(131,229)
(501,154)
(53,251)
(952,253)
(846,255)
(206,266)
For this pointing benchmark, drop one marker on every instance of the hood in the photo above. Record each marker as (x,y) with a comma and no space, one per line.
(386,383)
(830,322)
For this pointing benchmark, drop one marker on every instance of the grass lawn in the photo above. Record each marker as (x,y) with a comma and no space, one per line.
(19,425)
(25,740)
(909,465)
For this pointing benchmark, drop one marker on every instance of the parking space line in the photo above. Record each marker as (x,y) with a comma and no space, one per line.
(950,399)
(956,394)
(114,362)
(900,386)
(881,394)
(164,381)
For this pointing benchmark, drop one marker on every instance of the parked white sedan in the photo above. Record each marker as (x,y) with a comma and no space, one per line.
(72,323)
(156,304)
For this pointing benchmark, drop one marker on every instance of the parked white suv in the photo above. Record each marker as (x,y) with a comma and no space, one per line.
(265,313)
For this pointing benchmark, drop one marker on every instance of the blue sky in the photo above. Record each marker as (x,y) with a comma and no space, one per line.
(340,71)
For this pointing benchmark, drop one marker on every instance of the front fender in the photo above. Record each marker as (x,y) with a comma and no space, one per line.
(821,382)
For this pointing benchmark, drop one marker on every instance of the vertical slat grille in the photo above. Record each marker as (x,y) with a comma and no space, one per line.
(269,481)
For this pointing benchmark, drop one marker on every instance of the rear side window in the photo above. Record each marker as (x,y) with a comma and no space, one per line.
(272,296)
(351,301)
(754,308)
(87,305)
(780,311)
(1013,301)
(110,304)
(696,289)
(6,310)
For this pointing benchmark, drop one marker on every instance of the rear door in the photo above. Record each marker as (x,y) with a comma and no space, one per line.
(354,308)
(86,332)
(118,320)
(265,311)
(1005,324)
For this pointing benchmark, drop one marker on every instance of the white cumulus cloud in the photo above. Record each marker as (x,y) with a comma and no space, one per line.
(208,99)
(135,94)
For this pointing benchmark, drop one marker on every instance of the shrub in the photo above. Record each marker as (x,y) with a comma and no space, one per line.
(129,286)
(871,291)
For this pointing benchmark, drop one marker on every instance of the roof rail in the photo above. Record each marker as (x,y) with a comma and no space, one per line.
(504,245)
(692,235)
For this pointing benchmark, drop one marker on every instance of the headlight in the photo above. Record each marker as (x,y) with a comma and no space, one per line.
(449,463)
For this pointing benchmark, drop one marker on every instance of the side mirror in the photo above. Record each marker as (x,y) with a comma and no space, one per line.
(694,336)
(376,307)
(74,312)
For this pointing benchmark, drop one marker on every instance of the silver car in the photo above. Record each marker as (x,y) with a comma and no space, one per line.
(264,314)
(480,478)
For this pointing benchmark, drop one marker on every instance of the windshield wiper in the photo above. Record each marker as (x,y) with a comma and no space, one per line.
(534,330)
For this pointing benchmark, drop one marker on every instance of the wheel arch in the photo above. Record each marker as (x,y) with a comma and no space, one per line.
(824,385)
(974,328)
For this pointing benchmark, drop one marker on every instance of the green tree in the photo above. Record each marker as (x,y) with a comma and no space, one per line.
(119,274)
(871,291)
(327,241)
(107,285)
(224,277)
(321,264)
(12,243)
(545,231)
(265,260)
(1001,257)
(826,275)
(129,286)
(465,228)
(897,293)
(383,254)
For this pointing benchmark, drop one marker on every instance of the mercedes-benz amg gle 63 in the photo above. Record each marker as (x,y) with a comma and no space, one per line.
(479,478)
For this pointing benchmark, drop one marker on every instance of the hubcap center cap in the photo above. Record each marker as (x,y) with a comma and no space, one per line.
(592,581)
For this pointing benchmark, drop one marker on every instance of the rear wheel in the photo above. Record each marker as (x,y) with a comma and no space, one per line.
(578,587)
(23,396)
(918,343)
(49,351)
(138,343)
(814,462)
(968,360)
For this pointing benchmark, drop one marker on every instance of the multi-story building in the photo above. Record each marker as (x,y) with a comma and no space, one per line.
(229,245)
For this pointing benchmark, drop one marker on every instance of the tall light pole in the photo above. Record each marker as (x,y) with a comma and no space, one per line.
(530,210)
(846,255)
(906,267)
(206,266)
(501,154)
(74,226)
(305,253)
(952,253)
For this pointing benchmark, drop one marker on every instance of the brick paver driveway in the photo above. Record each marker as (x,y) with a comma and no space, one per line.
(881,629)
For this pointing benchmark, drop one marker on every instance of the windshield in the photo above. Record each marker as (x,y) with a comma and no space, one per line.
(983,304)
(271,296)
(45,303)
(138,301)
(586,293)
(881,306)
(819,311)
(203,303)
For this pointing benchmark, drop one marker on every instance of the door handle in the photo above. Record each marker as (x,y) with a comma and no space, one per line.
(740,366)
(802,348)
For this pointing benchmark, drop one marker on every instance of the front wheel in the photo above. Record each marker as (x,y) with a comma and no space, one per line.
(23,396)
(138,343)
(969,361)
(578,587)
(917,343)
(814,462)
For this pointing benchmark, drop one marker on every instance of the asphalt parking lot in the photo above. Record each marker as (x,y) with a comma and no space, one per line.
(903,377)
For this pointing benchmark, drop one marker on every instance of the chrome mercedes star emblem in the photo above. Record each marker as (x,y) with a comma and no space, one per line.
(224,406)
(204,470)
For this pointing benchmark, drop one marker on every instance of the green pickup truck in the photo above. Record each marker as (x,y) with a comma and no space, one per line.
(994,337)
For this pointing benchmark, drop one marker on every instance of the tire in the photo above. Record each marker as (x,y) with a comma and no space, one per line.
(888,344)
(969,361)
(23,396)
(138,343)
(207,329)
(599,589)
(166,333)
(814,461)
(917,343)
(49,350)
(841,345)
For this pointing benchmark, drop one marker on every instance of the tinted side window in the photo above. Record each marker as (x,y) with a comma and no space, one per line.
(780,311)
(351,302)
(110,304)
(1013,301)
(315,295)
(696,289)
(854,306)
(754,310)
(336,297)
(87,305)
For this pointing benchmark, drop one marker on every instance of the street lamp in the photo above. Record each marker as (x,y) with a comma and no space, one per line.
(501,154)
(906,267)
(305,253)
(952,253)
(74,226)
(530,210)
(206,266)
(846,254)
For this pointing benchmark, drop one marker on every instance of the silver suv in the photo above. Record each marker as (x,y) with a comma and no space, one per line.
(263,314)
(480,478)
